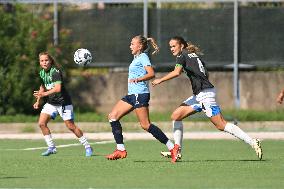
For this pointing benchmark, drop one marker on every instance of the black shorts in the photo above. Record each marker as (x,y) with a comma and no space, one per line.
(137,100)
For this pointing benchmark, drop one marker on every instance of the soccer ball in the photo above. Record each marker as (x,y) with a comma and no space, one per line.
(82,57)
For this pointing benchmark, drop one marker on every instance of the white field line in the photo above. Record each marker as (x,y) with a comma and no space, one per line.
(108,137)
(59,146)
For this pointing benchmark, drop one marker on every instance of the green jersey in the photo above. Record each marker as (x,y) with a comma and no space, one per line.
(49,79)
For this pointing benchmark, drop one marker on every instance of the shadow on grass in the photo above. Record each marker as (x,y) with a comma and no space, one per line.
(202,161)
(100,155)
(224,160)
(13,177)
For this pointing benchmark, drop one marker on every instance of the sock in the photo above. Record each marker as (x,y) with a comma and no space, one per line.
(170,145)
(49,141)
(178,132)
(120,147)
(116,131)
(84,141)
(237,132)
(158,134)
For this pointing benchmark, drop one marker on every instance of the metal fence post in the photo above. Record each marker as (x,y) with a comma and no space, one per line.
(145,18)
(236,67)
(158,9)
(55,23)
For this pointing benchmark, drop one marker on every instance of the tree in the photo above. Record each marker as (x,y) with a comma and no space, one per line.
(23,35)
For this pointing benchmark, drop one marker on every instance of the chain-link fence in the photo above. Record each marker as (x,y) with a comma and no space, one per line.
(106,28)
(107,33)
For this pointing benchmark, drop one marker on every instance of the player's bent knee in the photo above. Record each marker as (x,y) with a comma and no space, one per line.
(220,127)
(175,117)
(71,126)
(112,117)
(145,126)
(42,124)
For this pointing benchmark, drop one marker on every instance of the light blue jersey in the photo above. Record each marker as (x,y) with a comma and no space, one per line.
(136,70)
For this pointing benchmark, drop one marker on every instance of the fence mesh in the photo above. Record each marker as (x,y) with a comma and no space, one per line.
(107,32)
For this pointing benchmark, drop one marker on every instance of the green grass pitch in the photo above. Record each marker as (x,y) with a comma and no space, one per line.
(216,164)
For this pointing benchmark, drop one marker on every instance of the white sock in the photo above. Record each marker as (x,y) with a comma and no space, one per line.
(49,141)
(178,132)
(120,147)
(237,132)
(84,141)
(170,145)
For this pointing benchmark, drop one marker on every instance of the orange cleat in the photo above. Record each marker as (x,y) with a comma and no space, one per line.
(117,154)
(174,153)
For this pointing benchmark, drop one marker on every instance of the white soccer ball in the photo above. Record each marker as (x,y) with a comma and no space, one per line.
(82,57)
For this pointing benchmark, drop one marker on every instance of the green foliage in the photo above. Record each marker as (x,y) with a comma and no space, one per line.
(23,35)
(230,115)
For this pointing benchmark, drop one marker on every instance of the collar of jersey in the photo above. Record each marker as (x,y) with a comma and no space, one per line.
(136,56)
(47,70)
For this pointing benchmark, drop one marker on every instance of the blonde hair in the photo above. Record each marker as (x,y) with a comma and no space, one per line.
(52,61)
(191,48)
(145,41)
(154,45)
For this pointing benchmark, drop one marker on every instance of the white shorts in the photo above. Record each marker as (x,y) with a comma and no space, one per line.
(66,112)
(205,101)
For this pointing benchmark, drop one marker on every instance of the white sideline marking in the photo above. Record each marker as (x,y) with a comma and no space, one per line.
(59,146)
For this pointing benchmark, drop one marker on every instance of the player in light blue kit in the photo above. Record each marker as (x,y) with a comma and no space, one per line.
(137,99)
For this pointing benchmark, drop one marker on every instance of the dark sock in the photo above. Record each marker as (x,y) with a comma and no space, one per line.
(117,131)
(158,134)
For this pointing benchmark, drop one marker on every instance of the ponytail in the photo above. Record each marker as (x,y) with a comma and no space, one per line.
(191,48)
(154,45)
(145,47)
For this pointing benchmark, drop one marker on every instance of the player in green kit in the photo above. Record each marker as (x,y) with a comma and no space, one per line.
(58,102)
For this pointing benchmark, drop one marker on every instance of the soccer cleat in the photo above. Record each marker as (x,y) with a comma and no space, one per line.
(117,154)
(168,154)
(89,152)
(49,151)
(174,153)
(257,148)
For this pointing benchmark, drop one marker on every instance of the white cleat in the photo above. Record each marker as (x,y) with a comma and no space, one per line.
(257,148)
(168,155)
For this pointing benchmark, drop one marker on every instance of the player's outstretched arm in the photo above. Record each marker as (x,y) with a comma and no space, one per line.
(175,73)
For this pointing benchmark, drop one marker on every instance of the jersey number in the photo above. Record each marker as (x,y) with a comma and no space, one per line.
(201,67)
